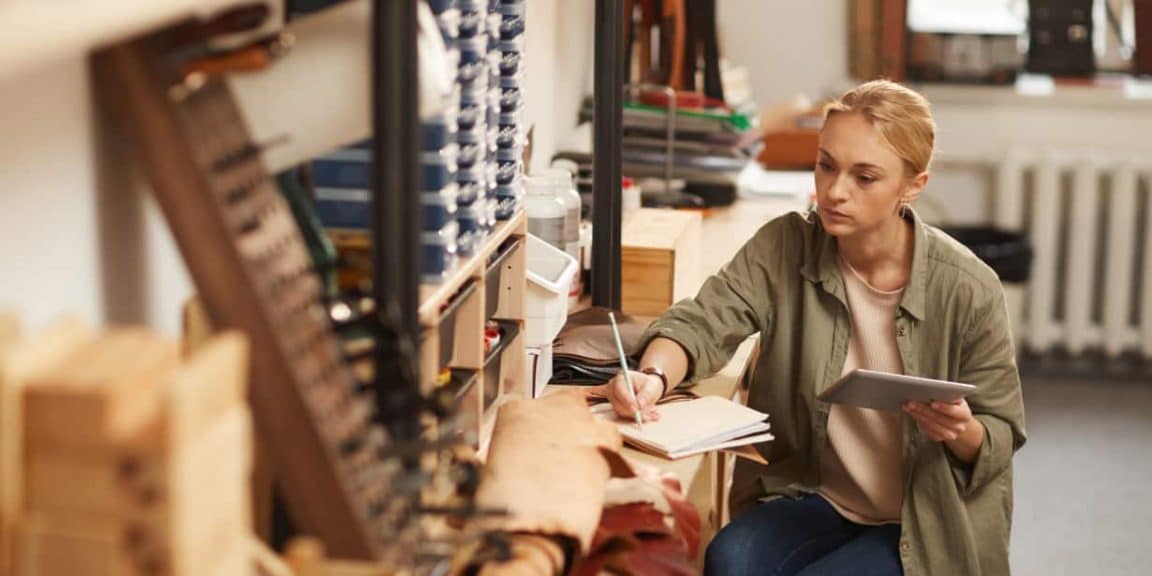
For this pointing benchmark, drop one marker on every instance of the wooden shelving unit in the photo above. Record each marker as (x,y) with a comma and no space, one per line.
(489,285)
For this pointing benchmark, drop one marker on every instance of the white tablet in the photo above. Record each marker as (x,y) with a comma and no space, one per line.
(886,391)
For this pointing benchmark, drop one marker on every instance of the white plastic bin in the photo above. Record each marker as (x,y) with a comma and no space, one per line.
(550,273)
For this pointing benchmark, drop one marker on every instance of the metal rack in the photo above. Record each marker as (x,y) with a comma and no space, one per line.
(608,110)
(397,218)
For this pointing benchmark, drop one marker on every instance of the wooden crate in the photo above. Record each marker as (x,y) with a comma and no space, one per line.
(659,260)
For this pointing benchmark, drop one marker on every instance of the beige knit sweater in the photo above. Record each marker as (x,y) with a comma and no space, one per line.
(862,466)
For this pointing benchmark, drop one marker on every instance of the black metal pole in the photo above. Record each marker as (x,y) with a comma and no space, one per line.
(608,98)
(397,218)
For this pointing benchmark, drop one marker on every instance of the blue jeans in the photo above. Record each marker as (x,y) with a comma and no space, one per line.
(805,537)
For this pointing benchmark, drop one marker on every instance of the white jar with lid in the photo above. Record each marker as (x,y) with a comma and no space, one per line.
(546,213)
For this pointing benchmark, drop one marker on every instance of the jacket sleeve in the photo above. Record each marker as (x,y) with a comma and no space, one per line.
(731,305)
(988,360)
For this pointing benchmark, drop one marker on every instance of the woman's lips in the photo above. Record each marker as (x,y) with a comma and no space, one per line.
(834,214)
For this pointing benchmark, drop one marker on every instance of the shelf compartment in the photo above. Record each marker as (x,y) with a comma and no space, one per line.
(494,362)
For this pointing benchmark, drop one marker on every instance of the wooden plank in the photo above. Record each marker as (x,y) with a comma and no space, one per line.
(18,364)
(108,389)
(93,548)
(209,386)
(179,145)
(893,39)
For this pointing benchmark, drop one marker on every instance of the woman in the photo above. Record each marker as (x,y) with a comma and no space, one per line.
(860,282)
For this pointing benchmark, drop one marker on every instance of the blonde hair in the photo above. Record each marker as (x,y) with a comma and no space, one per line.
(901,116)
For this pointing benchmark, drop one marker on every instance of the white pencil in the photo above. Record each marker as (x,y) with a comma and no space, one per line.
(624,367)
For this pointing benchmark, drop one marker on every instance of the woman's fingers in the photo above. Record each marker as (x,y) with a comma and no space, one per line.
(937,425)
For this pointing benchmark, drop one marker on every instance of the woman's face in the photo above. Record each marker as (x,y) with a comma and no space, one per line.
(860,180)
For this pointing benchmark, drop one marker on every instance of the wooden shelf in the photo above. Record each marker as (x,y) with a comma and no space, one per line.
(432,296)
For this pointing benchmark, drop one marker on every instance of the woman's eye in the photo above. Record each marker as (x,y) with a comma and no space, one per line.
(865,180)
(825,166)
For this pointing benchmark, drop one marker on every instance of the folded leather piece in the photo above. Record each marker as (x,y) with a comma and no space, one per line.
(633,539)
(546,467)
(585,350)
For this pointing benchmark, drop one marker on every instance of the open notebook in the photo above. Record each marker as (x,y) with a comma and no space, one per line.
(688,427)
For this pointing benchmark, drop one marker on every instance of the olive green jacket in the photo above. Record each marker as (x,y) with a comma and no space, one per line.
(952,324)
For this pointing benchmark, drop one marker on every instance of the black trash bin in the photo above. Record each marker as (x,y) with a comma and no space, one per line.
(1008,253)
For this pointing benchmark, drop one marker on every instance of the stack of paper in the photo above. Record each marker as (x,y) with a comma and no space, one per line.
(694,426)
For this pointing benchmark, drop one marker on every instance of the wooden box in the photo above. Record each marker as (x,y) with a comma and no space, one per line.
(659,260)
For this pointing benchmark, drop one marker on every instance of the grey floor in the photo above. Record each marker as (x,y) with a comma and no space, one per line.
(1084,480)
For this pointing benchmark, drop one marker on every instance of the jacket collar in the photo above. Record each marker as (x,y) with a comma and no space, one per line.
(820,264)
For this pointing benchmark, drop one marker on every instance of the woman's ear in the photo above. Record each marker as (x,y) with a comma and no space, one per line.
(915,187)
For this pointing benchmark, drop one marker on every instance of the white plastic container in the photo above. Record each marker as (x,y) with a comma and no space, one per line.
(565,191)
(546,214)
(550,272)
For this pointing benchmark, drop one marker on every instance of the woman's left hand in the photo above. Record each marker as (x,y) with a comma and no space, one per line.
(941,421)
(951,423)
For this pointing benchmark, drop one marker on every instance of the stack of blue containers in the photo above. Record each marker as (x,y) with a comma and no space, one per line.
(440,161)
(471,159)
(507,111)
(475,146)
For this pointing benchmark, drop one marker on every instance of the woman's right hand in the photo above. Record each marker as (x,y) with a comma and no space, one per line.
(648,390)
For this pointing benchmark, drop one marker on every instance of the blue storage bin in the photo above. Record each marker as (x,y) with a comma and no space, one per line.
(469,192)
(506,208)
(471,115)
(511,63)
(511,100)
(436,171)
(477,135)
(438,252)
(474,49)
(470,155)
(514,190)
(512,8)
(440,6)
(473,175)
(439,208)
(343,208)
(473,95)
(473,23)
(471,217)
(438,132)
(507,172)
(511,27)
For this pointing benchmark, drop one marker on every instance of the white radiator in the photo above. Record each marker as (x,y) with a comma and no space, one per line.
(1090,220)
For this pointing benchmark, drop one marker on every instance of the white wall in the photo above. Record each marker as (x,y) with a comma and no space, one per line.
(78,234)
(789,47)
(71,238)
(559,56)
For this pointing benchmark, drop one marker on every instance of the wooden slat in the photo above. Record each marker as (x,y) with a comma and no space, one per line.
(893,39)
(19,363)
(238,289)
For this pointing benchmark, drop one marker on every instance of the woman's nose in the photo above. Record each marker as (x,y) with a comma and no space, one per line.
(837,189)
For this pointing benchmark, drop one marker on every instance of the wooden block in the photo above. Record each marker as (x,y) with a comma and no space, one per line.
(107,390)
(210,502)
(19,363)
(192,510)
(211,385)
(660,259)
(95,548)
(130,479)
(196,325)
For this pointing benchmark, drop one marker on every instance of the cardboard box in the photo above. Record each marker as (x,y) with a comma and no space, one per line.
(659,260)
